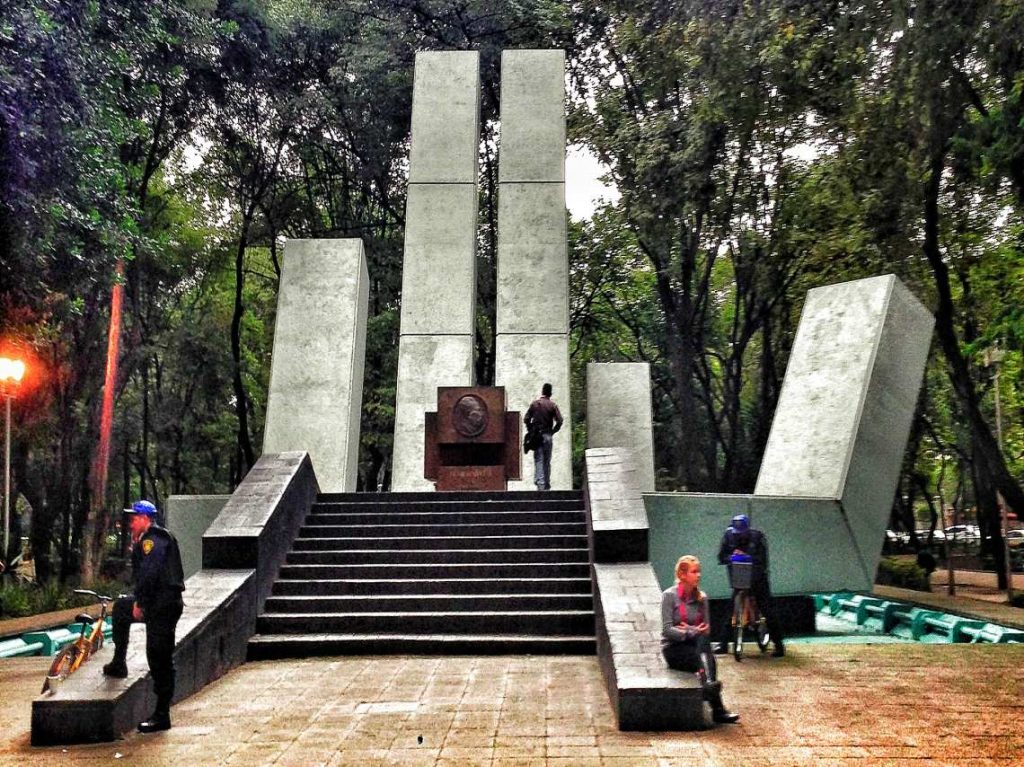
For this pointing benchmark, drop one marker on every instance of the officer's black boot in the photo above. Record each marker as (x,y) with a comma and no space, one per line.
(713,695)
(160,720)
(117,668)
(780,649)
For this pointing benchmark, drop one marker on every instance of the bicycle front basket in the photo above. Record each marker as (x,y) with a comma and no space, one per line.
(741,574)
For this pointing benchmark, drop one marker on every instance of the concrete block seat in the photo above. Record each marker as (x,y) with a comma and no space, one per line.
(646,693)
(91,707)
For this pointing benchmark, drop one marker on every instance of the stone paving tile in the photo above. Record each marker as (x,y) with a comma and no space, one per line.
(848,705)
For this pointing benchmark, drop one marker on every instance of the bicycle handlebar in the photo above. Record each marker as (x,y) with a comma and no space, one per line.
(90,593)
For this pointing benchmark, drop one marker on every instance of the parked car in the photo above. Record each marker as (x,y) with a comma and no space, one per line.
(922,535)
(963,533)
(1015,538)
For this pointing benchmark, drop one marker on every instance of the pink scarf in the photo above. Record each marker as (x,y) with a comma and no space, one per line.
(682,609)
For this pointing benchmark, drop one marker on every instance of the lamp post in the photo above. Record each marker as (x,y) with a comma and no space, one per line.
(994,356)
(11,373)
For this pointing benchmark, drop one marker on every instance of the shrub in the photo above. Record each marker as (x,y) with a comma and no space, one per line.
(902,572)
(14,601)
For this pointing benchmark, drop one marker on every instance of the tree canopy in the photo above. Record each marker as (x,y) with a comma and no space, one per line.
(759,147)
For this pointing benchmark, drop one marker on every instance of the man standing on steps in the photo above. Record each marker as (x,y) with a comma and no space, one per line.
(159,580)
(544,416)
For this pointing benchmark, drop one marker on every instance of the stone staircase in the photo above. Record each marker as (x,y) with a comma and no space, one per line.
(433,573)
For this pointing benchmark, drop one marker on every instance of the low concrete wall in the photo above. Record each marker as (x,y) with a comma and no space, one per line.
(247,543)
(645,694)
(188,518)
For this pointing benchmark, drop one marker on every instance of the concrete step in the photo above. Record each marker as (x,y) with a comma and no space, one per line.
(452,602)
(276,646)
(441,570)
(446,622)
(472,496)
(317,529)
(447,505)
(423,586)
(491,557)
(447,518)
(450,543)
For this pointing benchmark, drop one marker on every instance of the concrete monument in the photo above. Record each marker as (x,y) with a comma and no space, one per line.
(532,311)
(439,269)
(316,374)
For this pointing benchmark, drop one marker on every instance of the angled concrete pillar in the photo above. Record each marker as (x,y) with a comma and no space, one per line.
(439,267)
(532,308)
(619,414)
(847,402)
(316,374)
(833,457)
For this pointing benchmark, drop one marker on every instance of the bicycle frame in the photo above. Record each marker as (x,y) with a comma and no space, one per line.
(73,655)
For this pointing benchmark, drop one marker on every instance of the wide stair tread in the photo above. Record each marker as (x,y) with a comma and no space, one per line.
(433,573)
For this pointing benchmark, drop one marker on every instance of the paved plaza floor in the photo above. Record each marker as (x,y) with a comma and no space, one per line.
(820,705)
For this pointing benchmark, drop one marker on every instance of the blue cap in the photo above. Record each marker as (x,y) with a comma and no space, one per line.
(144,507)
(741,523)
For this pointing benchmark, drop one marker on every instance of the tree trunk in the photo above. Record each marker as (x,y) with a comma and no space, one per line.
(247,455)
(989,465)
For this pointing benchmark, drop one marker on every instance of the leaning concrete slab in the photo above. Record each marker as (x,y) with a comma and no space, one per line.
(848,399)
(830,468)
(619,413)
(242,553)
(316,376)
(188,517)
(523,363)
(424,363)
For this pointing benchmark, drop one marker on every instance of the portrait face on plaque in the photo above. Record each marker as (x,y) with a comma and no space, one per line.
(469,416)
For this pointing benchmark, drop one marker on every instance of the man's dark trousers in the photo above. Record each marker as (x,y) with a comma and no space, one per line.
(762,594)
(160,625)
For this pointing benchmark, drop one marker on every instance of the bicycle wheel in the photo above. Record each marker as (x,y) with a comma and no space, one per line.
(64,663)
(737,618)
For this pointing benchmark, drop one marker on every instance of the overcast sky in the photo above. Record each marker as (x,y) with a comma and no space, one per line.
(583,190)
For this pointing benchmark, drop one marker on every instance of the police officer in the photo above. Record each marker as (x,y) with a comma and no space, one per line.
(158,580)
(740,537)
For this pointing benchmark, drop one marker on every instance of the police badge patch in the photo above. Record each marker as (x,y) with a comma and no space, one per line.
(147,546)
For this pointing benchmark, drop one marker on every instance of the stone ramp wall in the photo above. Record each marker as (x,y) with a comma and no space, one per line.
(241,553)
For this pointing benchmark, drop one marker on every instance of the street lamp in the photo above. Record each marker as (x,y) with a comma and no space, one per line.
(11,373)
(993,356)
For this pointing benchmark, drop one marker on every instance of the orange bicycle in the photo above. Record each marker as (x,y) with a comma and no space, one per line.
(73,655)
(745,614)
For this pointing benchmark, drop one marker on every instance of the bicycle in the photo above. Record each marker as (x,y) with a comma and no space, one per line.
(89,642)
(745,613)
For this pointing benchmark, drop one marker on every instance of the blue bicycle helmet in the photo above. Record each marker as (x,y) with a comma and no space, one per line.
(144,507)
(740,523)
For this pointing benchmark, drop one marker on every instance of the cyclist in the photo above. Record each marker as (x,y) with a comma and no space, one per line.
(741,538)
(159,580)
(684,635)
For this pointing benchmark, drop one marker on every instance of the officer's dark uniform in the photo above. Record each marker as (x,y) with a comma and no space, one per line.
(755,545)
(159,580)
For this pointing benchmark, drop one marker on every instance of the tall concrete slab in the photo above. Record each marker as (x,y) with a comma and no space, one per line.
(424,363)
(847,402)
(532,305)
(524,363)
(439,267)
(619,413)
(316,375)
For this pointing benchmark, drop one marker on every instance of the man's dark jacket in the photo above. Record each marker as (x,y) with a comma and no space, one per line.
(156,570)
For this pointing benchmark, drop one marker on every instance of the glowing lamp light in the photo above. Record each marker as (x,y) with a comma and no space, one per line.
(11,371)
